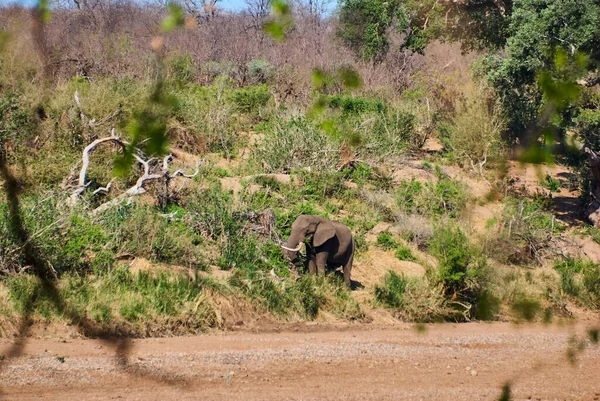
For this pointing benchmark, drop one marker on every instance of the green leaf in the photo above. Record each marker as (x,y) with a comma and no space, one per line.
(318,77)
(505,394)
(350,78)
(174,19)
(280,7)
(281,21)
(318,107)
(43,7)
(275,29)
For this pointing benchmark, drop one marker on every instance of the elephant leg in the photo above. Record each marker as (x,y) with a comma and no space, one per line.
(312,266)
(321,260)
(348,270)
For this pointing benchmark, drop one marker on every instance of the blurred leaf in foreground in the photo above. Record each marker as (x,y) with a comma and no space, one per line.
(43,8)
(505,394)
(593,335)
(281,21)
(174,18)
(350,78)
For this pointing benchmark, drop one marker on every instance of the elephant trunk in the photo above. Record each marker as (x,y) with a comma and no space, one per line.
(292,247)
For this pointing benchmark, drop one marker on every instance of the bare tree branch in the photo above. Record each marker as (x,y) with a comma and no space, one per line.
(81,182)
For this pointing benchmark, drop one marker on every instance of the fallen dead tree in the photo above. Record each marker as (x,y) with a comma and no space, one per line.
(152,173)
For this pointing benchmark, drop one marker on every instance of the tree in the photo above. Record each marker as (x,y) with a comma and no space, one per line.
(539,31)
(365,25)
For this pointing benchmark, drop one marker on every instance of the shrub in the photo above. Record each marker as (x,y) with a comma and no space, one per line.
(462,269)
(121,302)
(581,280)
(17,124)
(551,183)
(391,131)
(295,144)
(446,197)
(213,69)
(355,105)
(259,71)
(304,298)
(149,235)
(412,298)
(181,69)
(207,117)
(321,184)
(405,253)
(474,136)
(391,291)
(251,99)
(526,230)
(386,241)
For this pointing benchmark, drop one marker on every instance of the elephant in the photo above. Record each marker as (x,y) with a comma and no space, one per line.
(331,244)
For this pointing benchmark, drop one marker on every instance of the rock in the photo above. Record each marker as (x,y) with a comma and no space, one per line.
(473,373)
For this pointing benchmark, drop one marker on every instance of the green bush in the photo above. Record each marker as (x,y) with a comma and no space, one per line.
(321,184)
(386,241)
(391,292)
(551,183)
(526,231)
(446,197)
(412,299)
(405,253)
(355,105)
(259,71)
(391,131)
(581,280)
(207,117)
(181,69)
(151,236)
(17,124)
(293,145)
(251,99)
(214,69)
(473,137)
(462,269)
(304,298)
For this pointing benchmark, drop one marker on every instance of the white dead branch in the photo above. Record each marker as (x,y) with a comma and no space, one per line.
(81,182)
(137,189)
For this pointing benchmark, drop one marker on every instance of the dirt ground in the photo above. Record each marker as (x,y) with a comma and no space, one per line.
(313,362)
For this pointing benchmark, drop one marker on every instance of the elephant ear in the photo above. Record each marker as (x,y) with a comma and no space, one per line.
(325,231)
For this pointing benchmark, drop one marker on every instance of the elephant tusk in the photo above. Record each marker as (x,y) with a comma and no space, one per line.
(297,249)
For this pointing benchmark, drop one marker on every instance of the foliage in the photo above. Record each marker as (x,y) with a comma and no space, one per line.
(355,105)
(364,25)
(551,183)
(527,228)
(405,253)
(474,136)
(17,122)
(537,30)
(411,298)
(259,71)
(392,290)
(462,268)
(251,99)
(580,280)
(445,197)
(295,144)
(138,304)
(386,241)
